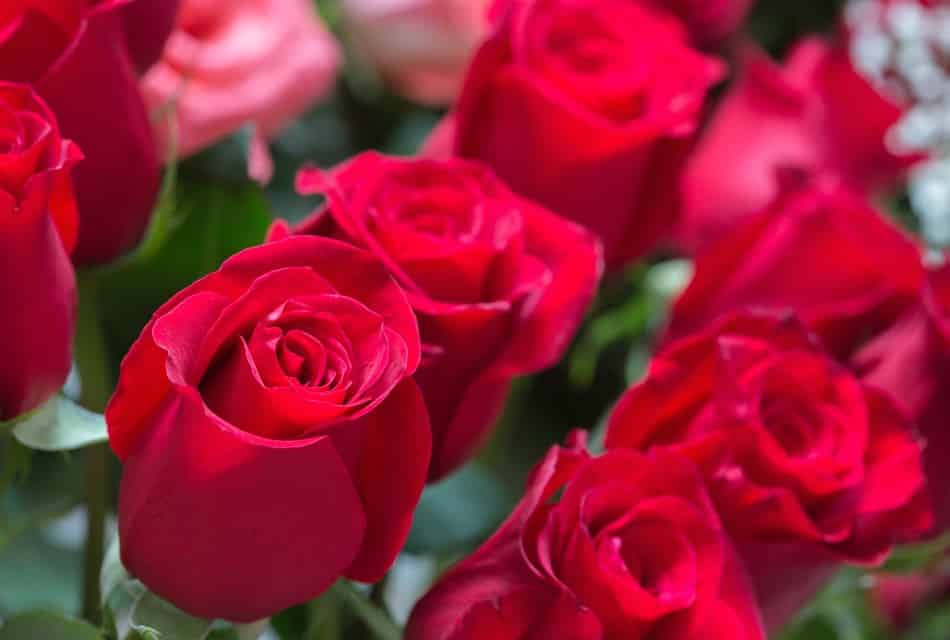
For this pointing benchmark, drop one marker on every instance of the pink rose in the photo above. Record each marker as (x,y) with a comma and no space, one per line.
(421,47)
(240,62)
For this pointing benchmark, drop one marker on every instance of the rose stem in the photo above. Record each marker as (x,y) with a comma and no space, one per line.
(96,384)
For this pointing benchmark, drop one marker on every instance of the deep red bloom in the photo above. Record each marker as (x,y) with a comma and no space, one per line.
(272,437)
(147,25)
(589,108)
(821,252)
(709,21)
(74,54)
(807,465)
(499,284)
(37,231)
(912,362)
(795,118)
(621,547)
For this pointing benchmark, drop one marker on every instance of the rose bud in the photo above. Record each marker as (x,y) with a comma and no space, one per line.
(421,47)
(229,64)
(808,466)
(626,545)
(38,225)
(912,362)
(819,251)
(272,436)
(588,108)
(499,284)
(63,49)
(807,107)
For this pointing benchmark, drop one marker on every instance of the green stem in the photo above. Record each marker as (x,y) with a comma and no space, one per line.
(326,618)
(375,618)
(96,382)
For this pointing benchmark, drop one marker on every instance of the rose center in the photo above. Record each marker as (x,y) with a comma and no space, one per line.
(660,559)
(792,423)
(583,43)
(310,349)
(444,212)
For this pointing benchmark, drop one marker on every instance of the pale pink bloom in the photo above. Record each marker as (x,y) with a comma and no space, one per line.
(230,63)
(421,47)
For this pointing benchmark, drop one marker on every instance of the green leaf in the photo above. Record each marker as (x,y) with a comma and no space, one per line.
(112,576)
(912,558)
(58,425)
(138,614)
(840,612)
(667,280)
(47,626)
(412,132)
(375,618)
(931,624)
(458,512)
(164,621)
(212,221)
(292,623)
(34,574)
(14,462)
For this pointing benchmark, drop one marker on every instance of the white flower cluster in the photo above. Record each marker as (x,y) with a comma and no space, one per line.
(903,48)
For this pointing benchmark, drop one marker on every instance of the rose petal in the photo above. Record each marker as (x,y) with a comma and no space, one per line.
(190,477)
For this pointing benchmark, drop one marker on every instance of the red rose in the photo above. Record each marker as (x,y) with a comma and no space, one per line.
(147,25)
(820,252)
(622,546)
(807,466)
(807,108)
(587,107)
(912,362)
(499,284)
(74,54)
(37,231)
(273,440)
(709,21)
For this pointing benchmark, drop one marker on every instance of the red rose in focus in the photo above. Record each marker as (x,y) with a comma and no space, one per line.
(625,546)
(806,110)
(230,64)
(499,284)
(808,467)
(37,231)
(912,362)
(589,108)
(821,252)
(273,440)
(74,54)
